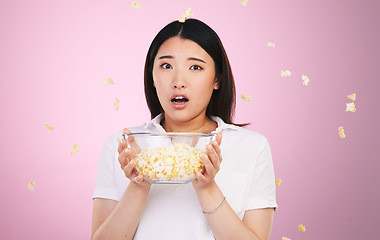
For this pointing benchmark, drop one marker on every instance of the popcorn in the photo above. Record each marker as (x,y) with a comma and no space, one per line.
(185,15)
(116,104)
(302,228)
(48,128)
(278,182)
(285,238)
(108,81)
(31,186)
(246,97)
(305,80)
(341,132)
(74,149)
(176,162)
(350,107)
(352,97)
(269,44)
(285,73)
(136,5)
(244,2)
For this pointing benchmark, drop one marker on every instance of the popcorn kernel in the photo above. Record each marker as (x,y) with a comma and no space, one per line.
(246,97)
(185,15)
(302,228)
(136,5)
(108,81)
(74,149)
(341,132)
(31,186)
(244,2)
(350,107)
(305,80)
(116,104)
(285,73)
(352,97)
(278,182)
(48,128)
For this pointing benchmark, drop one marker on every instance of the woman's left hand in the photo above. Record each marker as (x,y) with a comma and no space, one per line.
(212,160)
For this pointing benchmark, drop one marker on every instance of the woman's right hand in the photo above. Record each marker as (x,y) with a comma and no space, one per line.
(127,164)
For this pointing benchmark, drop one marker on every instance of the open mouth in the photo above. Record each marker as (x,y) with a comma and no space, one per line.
(179,100)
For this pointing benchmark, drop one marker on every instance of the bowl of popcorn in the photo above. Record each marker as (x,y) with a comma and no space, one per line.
(168,157)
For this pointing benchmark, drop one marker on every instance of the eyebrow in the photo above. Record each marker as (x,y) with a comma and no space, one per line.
(190,58)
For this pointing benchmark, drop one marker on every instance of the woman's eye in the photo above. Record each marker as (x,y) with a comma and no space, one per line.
(166,66)
(196,67)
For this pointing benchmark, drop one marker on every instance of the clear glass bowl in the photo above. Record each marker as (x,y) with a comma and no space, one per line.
(168,157)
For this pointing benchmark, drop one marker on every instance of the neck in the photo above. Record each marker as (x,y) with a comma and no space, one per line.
(200,126)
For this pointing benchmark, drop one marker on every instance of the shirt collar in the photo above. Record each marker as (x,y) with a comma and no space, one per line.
(155,124)
(222,125)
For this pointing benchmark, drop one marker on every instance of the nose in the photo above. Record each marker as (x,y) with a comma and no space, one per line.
(179,81)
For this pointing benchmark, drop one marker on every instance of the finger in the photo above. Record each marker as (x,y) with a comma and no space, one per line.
(208,165)
(139,179)
(213,156)
(122,146)
(219,136)
(123,143)
(124,157)
(201,177)
(217,150)
(128,169)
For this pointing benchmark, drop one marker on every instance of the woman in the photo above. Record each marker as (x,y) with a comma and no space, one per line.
(189,87)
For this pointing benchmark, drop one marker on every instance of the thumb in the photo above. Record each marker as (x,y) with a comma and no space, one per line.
(219,138)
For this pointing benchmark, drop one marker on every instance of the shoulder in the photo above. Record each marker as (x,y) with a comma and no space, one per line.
(235,135)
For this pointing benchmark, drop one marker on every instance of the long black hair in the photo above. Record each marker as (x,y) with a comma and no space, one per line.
(223,100)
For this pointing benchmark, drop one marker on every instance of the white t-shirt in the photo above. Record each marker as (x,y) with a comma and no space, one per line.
(172,211)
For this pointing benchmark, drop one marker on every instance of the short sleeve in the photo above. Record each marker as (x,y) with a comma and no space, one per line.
(106,186)
(263,188)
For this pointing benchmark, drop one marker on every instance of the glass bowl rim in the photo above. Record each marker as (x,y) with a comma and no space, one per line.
(168,134)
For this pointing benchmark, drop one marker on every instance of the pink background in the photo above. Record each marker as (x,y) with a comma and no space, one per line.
(54,56)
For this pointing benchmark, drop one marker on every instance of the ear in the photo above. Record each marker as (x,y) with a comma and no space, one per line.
(216,84)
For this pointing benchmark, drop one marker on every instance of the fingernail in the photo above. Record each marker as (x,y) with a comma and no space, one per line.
(138,179)
(133,162)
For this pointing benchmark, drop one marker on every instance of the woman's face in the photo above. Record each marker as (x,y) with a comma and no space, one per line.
(184,78)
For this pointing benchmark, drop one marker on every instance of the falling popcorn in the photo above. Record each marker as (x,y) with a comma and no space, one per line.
(136,5)
(305,80)
(116,104)
(350,107)
(246,97)
(278,182)
(244,2)
(352,97)
(48,128)
(302,228)
(185,15)
(285,238)
(31,186)
(74,149)
(270,44)
(108,81)
(341,132)
(285,73)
